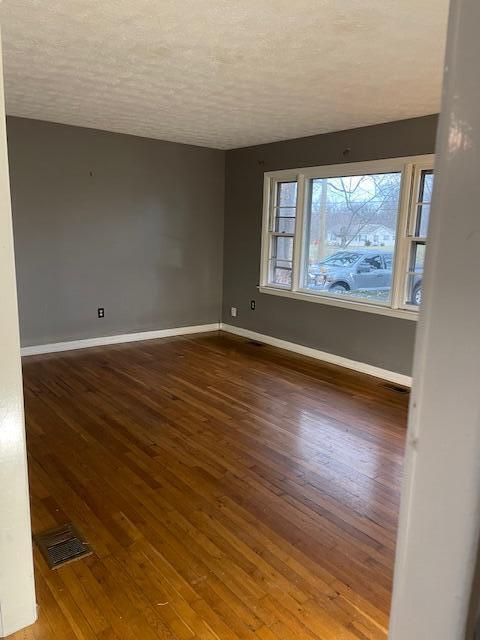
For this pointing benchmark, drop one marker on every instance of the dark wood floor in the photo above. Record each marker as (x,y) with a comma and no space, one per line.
(229,491)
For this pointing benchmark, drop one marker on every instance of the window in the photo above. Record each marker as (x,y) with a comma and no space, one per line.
(351,235)
(417,234)
(281,233)
(338,209)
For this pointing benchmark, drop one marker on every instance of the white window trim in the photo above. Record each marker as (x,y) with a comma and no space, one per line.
(410,167)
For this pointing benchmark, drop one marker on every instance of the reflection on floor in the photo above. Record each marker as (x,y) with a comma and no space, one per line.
(228,490)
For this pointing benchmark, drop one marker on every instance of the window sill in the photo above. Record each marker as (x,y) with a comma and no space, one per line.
(345,304)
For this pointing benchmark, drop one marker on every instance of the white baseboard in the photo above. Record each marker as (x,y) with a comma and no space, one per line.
(25,619)
(117,339)
(362,367)
(331,358)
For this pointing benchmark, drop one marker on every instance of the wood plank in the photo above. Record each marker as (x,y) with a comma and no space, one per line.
(228,491)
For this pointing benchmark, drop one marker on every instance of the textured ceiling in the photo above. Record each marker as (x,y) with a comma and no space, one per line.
(223,73)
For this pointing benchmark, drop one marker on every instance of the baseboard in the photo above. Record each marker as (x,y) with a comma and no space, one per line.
(331,358)
(117,339)
(25,619)
(362,367)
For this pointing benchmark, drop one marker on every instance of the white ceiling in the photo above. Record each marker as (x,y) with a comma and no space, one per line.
(223,73)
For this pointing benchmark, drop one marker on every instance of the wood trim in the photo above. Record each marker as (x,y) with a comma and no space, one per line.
(117,339)
(331,358)
(344,302)
(353,168)
(17,588)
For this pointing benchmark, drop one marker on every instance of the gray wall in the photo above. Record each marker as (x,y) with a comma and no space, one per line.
(108,220)
(136,226)
(378,340)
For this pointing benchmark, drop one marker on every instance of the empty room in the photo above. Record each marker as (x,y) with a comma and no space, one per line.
(239,351)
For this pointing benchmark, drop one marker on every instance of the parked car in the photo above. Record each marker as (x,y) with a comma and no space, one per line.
(366,270)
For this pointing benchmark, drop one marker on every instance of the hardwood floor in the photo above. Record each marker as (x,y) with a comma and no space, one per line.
(229,491)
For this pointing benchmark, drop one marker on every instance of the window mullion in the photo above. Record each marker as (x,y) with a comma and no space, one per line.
(298,236)
(402,248)
(414,202)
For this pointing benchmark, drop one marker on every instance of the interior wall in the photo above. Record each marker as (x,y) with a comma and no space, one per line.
(378,340)
(129,224)
(135,226)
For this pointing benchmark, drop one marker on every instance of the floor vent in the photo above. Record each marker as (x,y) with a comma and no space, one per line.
(62,545)
(397,388)
(254,343)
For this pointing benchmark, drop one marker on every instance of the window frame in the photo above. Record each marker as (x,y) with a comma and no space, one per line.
(272,233)
(408,237)
(410,167)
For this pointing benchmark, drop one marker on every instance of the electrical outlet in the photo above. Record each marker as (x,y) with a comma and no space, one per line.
(252,305)
(233,312)
(101,312)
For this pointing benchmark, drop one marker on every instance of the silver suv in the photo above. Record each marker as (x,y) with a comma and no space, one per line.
(366,270)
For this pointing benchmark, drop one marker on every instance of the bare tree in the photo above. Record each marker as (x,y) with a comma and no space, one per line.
(353,203)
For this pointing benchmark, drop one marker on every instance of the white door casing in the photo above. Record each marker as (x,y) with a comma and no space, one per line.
(17,592)
(440,514)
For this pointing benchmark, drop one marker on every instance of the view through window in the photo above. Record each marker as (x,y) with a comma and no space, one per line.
(351,231)
(357,236)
